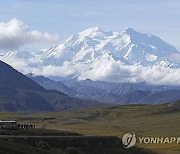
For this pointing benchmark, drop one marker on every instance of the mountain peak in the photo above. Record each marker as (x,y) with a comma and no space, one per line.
(93,29)
(93,35)
(90,31)
(19,54)
(129,31)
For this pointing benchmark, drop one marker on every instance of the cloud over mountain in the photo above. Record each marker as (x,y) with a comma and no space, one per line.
(96,54)
(15,33)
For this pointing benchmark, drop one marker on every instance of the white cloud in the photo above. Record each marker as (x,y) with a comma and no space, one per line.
(104,70)
(116,72)
(15,33)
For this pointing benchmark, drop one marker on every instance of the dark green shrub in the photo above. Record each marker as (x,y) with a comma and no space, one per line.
(72,150)
(43,145)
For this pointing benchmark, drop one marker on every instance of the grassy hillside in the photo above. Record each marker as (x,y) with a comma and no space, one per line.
(144,120)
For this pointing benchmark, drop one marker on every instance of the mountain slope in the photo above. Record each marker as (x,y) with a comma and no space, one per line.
(20,94)
(161,97)
(12,78)
(50,84)
(18,100)
(125,93)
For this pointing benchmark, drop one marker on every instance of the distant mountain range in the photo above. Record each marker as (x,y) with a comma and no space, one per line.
(96,54)
(116,93)
(18,93)
(91,66)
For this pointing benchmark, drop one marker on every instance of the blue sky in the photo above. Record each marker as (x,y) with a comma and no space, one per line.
(65,17)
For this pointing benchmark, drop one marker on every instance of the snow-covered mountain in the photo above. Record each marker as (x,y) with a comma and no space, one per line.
(18,55)
(106,55)
(129,47)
